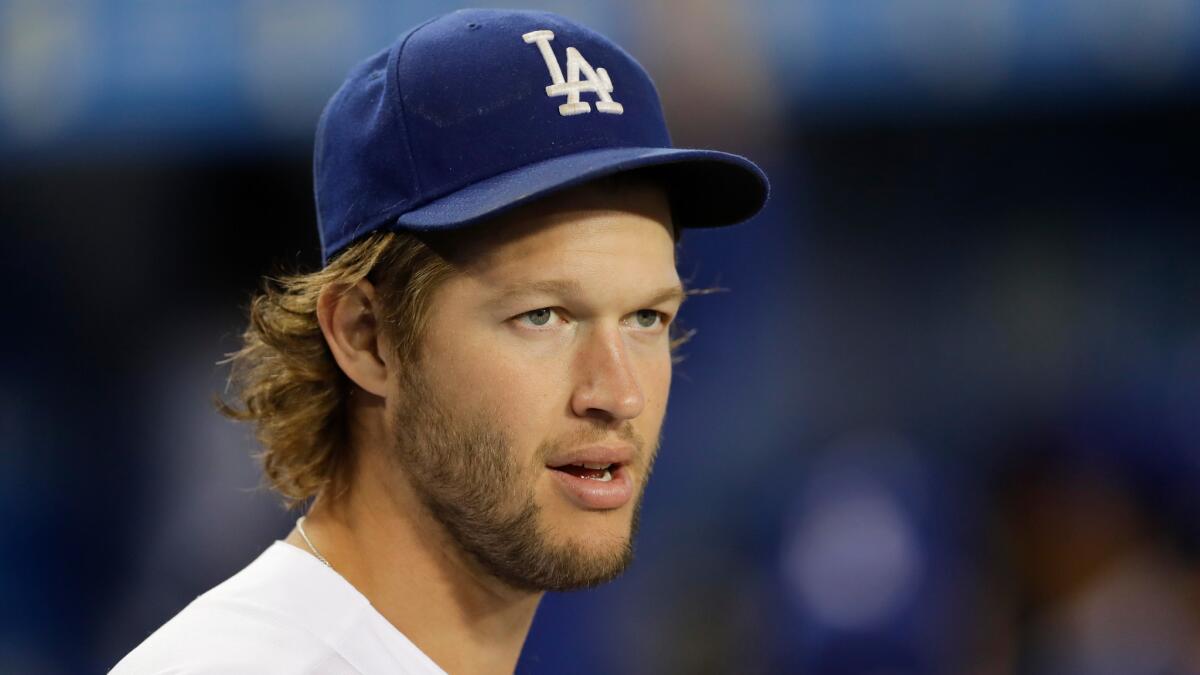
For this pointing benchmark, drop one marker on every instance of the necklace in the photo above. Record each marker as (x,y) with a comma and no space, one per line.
(304,535)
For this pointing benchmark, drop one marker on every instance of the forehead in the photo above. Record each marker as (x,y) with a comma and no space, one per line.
(622,225)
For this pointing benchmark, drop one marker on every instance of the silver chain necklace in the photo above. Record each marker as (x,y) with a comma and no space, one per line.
(304,535)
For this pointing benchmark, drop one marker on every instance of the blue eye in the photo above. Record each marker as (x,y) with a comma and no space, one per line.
(648,318)
(539,317)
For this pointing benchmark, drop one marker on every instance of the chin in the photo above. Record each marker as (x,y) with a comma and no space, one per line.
(590,564)
(571,522)
(605,537)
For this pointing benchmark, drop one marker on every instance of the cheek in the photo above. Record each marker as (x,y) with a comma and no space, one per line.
(656,386)
(518,393)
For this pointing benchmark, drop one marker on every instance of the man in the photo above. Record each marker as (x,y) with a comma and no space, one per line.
(469,393)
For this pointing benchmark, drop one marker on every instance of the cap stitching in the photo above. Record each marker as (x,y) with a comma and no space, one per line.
(400,116)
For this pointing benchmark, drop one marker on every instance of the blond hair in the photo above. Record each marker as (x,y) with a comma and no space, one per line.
(284,377)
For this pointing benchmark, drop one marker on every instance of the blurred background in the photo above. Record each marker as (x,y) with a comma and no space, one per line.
(946,420)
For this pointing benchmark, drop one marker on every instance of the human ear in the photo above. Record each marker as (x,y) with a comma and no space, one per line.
(351,327)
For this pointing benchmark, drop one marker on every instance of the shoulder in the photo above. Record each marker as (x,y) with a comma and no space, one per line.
(283,613)
(252,622)
(223,635)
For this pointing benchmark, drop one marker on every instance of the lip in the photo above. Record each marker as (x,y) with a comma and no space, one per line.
(594,454)
(595,495)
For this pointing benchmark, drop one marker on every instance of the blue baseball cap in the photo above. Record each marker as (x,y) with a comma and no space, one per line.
(481,110)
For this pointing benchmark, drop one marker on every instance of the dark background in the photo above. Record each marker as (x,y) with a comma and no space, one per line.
(944,421)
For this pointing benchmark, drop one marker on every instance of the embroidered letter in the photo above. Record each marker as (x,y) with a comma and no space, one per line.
(595,80)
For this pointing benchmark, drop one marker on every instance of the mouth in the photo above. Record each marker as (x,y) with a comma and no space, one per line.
(597,472)
(595,479)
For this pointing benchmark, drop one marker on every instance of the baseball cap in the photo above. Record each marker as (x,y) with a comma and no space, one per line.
(478,111)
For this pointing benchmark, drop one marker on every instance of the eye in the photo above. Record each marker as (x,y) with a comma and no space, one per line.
(647,318)
(539,317)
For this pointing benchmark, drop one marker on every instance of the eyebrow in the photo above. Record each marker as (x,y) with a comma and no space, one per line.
(567,287)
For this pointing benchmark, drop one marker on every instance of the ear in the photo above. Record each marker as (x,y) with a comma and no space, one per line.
(349,321)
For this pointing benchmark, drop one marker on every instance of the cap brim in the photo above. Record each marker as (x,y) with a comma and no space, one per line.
(706,188)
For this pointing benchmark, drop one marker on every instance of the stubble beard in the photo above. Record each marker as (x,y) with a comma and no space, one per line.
(464,471)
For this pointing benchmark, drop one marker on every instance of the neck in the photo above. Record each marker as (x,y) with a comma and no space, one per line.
(382,540)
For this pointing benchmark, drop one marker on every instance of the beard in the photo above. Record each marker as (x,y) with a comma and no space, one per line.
(466,472)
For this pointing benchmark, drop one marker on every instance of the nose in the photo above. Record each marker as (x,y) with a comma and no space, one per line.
(608,386)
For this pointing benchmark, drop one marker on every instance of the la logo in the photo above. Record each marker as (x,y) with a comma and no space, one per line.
(596,80)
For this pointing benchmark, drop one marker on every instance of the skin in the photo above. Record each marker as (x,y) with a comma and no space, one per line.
(591,373)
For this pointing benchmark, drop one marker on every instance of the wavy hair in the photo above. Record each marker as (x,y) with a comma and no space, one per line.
(284,377)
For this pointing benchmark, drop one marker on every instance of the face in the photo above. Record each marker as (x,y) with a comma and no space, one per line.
(529,424)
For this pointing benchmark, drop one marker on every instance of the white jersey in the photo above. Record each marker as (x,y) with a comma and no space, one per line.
(284,613)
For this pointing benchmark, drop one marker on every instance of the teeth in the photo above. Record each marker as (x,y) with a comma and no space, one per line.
(596,467)
(607,477)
